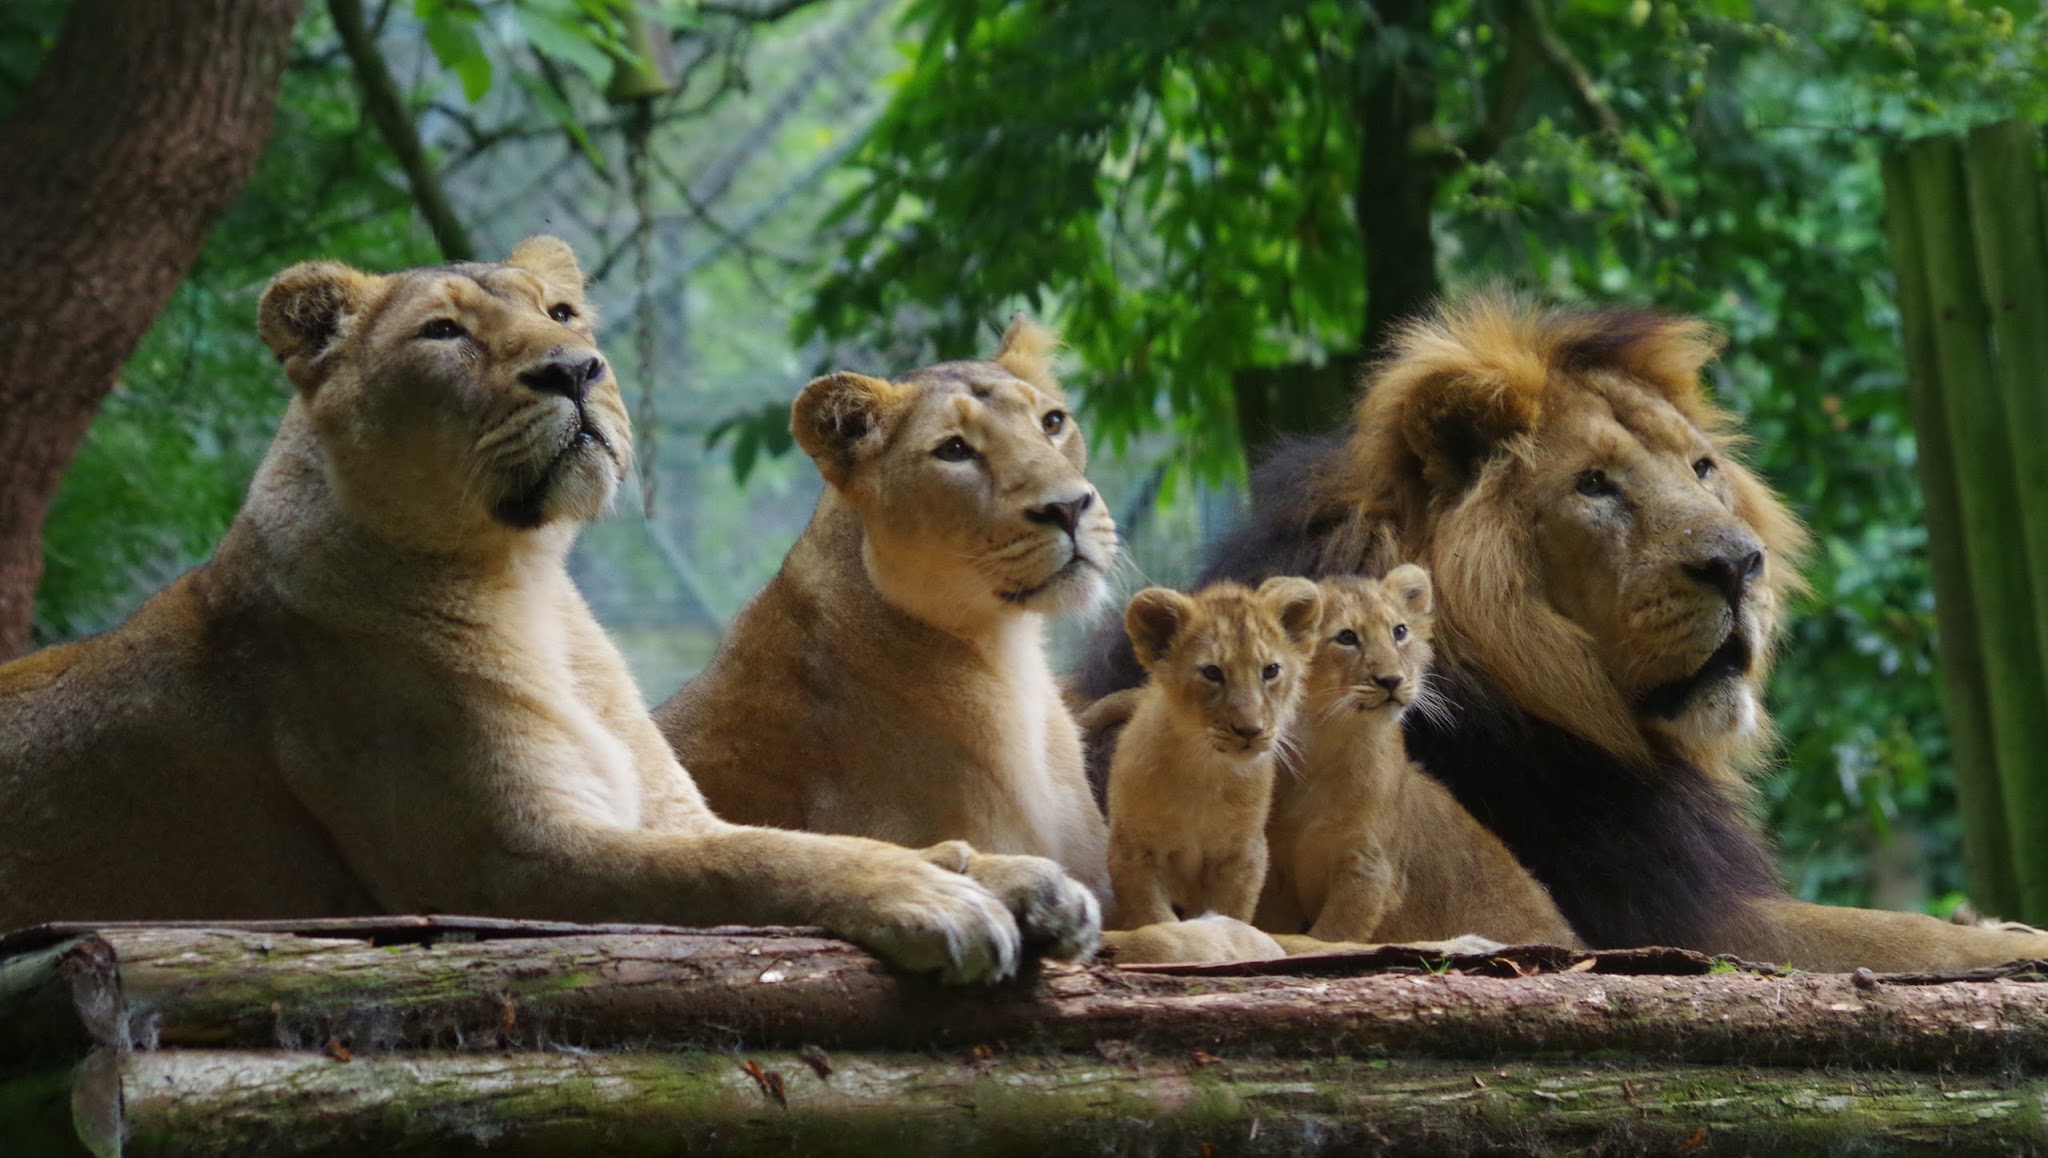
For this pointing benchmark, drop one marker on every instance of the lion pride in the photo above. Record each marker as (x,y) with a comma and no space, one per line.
(1611,581)
(383,694)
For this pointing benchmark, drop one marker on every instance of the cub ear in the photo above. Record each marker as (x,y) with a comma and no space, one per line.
(1411,589)
(839,417)
(303,311)
(551,258)
(1026,351)
(1297,604)
(1155,616)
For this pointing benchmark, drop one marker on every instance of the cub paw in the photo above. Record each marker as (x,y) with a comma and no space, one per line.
(1056,914)
(1210,938)
(921,918)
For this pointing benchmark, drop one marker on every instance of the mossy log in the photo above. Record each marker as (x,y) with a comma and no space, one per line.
(207,1102)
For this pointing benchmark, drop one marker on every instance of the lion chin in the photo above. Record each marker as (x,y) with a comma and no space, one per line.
(1078,584)
(576,484)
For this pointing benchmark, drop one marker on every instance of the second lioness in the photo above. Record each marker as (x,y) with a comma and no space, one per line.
(891,680)
(1364,845)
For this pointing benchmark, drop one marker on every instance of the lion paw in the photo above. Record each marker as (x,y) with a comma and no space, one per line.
(1057,915)
(920,918)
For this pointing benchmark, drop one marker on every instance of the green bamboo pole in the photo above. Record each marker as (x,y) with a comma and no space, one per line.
(1958,651)
(1999,581)
(2012,260)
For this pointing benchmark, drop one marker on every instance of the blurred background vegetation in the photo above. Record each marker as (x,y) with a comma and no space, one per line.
(1221,204)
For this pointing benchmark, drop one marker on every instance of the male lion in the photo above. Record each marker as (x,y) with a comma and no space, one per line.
(383,694)
(1611,582)
(891,680)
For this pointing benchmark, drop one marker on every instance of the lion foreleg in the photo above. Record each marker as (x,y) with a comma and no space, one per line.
(1057,915)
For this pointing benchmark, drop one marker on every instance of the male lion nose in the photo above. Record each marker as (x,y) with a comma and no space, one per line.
(1389,682)
(1729,574)
(1066,516)
(569,377)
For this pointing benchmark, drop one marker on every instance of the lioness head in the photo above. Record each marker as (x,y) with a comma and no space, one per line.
(1599,549)
(1229,660)
(1372,648)
(455,399)
(967,477)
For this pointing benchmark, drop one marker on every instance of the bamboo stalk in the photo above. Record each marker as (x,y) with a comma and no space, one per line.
(1959,652)
(2012,260)
(2000,584)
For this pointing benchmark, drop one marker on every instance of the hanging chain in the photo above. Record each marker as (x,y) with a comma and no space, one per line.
(639,128)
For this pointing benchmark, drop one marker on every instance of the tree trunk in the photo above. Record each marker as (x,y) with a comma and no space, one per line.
(1397,188)
(143,126)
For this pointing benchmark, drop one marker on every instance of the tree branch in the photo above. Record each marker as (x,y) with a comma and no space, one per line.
(1531,25)
(386,110)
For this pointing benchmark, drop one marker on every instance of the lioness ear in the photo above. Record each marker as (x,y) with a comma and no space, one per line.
(1154,617)
(1411,589)
(303,311)
(1297,604)
(839,416)
(551,258)
(1026,351)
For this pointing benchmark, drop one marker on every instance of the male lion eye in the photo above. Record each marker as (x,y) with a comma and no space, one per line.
(1703,468)
(442,329)
(954,449)
(562,312)
(1400,632)
(1271,672)
(1054,421)
(1347,638)
(1212,673)
(1595,484)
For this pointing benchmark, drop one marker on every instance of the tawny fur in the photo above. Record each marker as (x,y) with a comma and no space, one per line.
(891,680)
(384,695)
(1193,775)
(1364,846)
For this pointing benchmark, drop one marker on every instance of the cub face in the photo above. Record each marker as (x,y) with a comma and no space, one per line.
(1373,648)
(457,401)
(967,477)
(1228,659)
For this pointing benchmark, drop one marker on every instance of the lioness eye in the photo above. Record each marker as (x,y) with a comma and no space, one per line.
(954,449)
(1271,672)
(442,329)
(1348,637)
(1400,632)
(1595,484)
(1703,468)
(562,312)
(1054,421)
(1212,673)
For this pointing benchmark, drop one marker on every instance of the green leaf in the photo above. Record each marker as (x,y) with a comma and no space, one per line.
(568,37)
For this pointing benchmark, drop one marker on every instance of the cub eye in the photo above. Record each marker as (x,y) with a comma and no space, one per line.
(1271,672)
(1595,484)
(442,329)
(954,449)
(1703,468)
(1347,638)
(1400,632)
(1212,673)
(562,312)
(1053,422)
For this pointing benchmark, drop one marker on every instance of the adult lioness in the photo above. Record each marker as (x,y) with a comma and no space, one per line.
(1611,581)
(891,680)
(383,694)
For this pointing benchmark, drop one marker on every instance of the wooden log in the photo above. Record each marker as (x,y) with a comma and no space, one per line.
(206,1102)
(194,988)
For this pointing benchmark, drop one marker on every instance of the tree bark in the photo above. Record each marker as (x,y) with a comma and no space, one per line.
(1397,188)
(206,1102)
(141,129)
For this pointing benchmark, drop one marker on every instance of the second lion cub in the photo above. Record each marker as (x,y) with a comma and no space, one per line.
(1365,846)
(1193,773)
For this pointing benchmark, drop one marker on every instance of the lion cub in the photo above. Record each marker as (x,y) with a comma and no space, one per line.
(1193,773)
(1365,845)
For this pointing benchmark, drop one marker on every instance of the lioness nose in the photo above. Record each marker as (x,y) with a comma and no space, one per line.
(1066,516)
(569,377)
(1729,574)
(1389,682)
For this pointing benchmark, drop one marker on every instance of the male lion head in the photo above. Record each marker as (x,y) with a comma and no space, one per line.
(967,477)
(1600,552)
(456,401)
